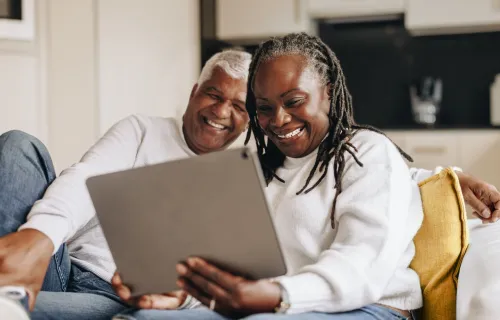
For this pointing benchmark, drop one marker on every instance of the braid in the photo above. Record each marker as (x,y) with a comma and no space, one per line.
(341,116)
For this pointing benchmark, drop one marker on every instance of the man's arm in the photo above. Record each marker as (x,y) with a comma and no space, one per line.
(66,205)
(483,197)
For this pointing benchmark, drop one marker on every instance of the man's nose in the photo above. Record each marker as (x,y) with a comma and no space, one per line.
(222,110)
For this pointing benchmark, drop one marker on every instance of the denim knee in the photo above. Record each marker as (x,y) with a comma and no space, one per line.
(18,147)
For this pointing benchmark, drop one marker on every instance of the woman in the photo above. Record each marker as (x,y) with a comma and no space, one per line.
(344,205)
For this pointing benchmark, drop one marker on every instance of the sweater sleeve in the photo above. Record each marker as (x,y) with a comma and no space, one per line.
(376,217)
(419,175)
(66,205)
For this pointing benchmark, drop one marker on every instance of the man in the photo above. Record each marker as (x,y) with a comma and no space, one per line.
(63,224)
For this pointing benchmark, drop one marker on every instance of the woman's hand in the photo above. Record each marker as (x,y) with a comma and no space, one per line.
(166,301)
(232,295)
(484,198)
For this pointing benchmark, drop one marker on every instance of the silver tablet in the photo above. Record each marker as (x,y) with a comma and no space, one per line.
(212,206)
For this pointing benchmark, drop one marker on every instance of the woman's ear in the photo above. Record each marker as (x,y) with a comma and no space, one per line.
(327,90)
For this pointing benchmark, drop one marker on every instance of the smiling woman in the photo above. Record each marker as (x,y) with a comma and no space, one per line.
(344,206)
(322,170)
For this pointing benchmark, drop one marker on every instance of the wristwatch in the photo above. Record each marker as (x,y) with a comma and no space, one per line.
(285,301)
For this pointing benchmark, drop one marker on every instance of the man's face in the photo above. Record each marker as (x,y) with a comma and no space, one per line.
(216,113)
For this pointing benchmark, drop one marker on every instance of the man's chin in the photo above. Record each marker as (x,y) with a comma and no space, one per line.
(209,144)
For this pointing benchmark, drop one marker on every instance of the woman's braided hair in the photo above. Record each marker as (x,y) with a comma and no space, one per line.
(342,125)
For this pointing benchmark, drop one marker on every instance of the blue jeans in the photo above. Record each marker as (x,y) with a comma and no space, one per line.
(68,291)
(372,312)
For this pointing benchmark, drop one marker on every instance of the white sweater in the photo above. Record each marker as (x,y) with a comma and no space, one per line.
(356,275)
(365,259)
(66,212)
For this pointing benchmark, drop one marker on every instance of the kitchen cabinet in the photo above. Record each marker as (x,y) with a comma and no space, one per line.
(249,21)
(476,152)
(350,9)
(425,17)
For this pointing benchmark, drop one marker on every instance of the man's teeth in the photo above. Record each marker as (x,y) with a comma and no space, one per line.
(291,134)
(215,125)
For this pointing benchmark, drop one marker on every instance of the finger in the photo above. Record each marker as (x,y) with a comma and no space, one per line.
(223,279)
(477,205)
(495,216)
(158,301)
(123,292)
(208,287)
(116,280)
(185,285)
(494,198)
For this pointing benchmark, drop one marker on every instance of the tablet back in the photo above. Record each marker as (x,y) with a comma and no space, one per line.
(212,206)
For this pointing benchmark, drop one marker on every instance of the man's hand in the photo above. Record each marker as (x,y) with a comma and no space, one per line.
(483,197)
(24,259)
(166,301)
(233,296)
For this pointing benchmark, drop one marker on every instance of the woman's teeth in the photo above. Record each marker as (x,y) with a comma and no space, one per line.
(291,134)
(215,125)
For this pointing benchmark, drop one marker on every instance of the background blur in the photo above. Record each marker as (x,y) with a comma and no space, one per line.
(69,69)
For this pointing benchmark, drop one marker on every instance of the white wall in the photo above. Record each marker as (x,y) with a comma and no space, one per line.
(72,111)
(94,62)
(21,105)
(149,57)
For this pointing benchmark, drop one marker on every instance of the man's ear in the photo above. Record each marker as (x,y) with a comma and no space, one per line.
(193,91)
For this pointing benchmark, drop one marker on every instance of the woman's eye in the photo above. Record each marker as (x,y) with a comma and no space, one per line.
(294,102)
(263,108)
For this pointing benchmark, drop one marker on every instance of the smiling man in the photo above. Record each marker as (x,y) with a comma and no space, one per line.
(55,244)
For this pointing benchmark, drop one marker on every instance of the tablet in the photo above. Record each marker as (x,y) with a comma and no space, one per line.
(212,206)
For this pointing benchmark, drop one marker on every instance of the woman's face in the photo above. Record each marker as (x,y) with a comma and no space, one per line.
(292,104)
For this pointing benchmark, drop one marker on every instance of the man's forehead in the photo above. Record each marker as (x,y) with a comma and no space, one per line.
(231,86)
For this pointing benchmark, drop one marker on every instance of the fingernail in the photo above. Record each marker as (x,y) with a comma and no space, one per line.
(181,269)
(486,213)
(180,283)
(495,219)
(191,262)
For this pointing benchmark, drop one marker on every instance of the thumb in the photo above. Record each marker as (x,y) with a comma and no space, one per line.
(477,205)
(158,301)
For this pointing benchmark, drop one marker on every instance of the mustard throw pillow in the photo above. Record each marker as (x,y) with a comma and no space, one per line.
(440,244)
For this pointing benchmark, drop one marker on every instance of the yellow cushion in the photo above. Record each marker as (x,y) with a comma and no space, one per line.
(440,244)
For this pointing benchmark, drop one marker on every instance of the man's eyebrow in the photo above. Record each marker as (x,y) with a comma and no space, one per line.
(214,89)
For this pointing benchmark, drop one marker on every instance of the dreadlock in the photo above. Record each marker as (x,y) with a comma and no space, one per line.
(342,125)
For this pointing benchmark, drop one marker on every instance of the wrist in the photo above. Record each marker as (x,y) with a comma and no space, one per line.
(283,303)
(37,241)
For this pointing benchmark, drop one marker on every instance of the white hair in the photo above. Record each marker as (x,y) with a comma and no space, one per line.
(233,62)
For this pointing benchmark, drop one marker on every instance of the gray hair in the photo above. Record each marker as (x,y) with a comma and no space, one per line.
(233,62)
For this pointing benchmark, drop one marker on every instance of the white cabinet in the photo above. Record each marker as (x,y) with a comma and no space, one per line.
(243,20)
(452,16)
(477,152)
(429,149)
(354,8)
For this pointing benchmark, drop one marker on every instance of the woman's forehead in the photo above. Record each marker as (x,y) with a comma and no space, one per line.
(284,72)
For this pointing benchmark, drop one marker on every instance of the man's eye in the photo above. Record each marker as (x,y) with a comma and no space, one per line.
(239,107)
(213,96)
